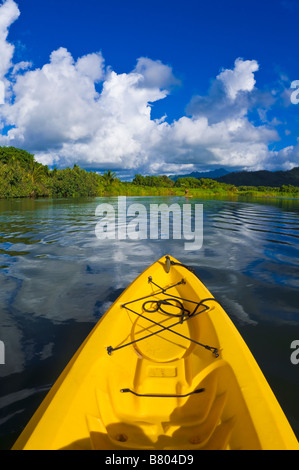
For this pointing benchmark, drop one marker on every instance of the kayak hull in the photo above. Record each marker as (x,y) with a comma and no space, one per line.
(165,369)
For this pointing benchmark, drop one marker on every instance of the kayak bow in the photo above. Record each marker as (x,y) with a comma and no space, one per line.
(165,368)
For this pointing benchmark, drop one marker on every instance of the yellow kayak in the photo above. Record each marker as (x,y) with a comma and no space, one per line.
(164,369)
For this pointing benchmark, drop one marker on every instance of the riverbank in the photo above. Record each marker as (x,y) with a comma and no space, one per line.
(22,177)
(128,189)
(70,184)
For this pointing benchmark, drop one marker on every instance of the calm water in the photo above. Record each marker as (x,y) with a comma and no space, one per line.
(57,279)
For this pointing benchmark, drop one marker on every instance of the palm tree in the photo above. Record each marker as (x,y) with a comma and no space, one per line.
(109,177)
(36,171)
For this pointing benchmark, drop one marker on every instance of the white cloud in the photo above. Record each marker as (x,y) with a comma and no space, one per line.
(80,111)
(155,74)
(59,109)
(230,143)
(21,66)
(92,66)
(9,12)
(241,78)
(231,100)
(55,104)
(2,93)
(286,158)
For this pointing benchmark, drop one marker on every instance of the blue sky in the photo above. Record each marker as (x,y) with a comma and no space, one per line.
(151,86)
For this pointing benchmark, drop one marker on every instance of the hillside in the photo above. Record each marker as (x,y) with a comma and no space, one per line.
(213,174)
(262,178)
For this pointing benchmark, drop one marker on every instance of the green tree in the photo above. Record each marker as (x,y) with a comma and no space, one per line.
(10,155)
(109,177)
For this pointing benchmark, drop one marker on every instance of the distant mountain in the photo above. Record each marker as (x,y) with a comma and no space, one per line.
(262,178)
(213,174)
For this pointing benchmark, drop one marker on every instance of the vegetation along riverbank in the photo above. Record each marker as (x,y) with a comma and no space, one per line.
(22,176)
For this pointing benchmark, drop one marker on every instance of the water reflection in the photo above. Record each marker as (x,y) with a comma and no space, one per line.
(57,279)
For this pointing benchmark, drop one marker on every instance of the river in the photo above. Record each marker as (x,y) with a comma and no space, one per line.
(57,279)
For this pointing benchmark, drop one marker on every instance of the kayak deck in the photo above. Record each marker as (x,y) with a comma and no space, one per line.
(165,368)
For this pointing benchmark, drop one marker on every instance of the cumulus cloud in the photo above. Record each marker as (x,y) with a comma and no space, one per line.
(155,74)
(233,143)
(81,111)
(58,108)
(9,12)
(232,95)
(2,93)
(217,130)
(55,104)
(241,78)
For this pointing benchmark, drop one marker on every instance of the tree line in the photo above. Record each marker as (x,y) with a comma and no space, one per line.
(22,176)
(208,184)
